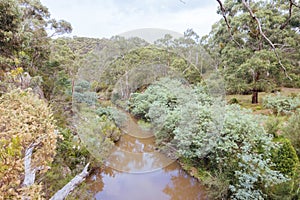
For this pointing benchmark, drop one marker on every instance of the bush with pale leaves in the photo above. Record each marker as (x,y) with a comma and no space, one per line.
(26,121)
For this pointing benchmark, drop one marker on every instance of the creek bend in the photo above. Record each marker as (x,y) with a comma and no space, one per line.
(135,170)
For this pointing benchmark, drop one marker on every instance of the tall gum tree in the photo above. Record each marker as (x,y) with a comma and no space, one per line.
(25,31)
(257,43)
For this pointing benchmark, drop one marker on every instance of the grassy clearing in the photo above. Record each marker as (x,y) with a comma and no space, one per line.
(245,100)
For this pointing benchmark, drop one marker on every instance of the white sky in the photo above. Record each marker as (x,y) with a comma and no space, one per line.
(105,18)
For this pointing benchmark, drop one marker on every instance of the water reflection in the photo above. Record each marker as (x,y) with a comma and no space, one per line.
(168,183)
(135,171)
(131,128)
(136,145)
(137,162)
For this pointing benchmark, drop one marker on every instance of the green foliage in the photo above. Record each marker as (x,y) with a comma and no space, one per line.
(149,56)
(112,114)
(10,19)
(26,44)
(82,86)
(285,191)
(186,121)
(273,126)
(248,61)
(253,175)
(71,151)
(233,101)
(281,104)
(286,161)
(285,158)
(82,93)
(162,104)
(292,131)
(96,133)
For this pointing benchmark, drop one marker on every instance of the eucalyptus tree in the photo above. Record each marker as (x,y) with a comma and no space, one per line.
(257,43)
(24,34)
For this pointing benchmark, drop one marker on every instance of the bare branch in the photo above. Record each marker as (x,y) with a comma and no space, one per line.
(227,23)
(265,37)
(64,192)
(224,14)
(294,4)
(289,17)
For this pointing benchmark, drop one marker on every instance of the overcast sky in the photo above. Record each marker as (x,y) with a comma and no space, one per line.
(105,18)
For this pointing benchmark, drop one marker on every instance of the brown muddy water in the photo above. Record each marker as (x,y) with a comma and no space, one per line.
(136,171)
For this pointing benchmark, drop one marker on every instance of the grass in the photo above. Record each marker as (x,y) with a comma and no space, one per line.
(245,100)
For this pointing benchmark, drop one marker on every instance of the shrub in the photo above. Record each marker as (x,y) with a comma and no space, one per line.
(285,158)
(26,122)
(113,114)
(90,98)
(233,101)
(82,93)
(286,161)
(241,150)
(273,125)
(281,104)
(292,131)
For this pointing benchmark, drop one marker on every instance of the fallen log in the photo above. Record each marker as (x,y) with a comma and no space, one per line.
(63,193)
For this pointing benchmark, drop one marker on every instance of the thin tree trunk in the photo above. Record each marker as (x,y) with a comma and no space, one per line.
(254,96)
(256,76)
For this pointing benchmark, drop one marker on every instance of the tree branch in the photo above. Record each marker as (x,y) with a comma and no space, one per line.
(247,6)
(298,6)
(224,14)
(63,193)
(290,15)
(227,23)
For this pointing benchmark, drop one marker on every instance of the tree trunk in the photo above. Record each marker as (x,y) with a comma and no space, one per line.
(254,96)
(69,187)
(255,90)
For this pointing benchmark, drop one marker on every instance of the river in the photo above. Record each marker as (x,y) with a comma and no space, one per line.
(135,170)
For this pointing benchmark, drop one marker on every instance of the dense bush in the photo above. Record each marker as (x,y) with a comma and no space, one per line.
(26,123)
(285,158)
(286,161)
(273,125)
(292,131)
(97,134)
(163,105)
(117,116)
(82,93)
(70,158)
(241,150)
(281,104)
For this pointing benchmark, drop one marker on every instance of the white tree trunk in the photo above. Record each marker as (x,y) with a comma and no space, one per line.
(29,172)
(63,193)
